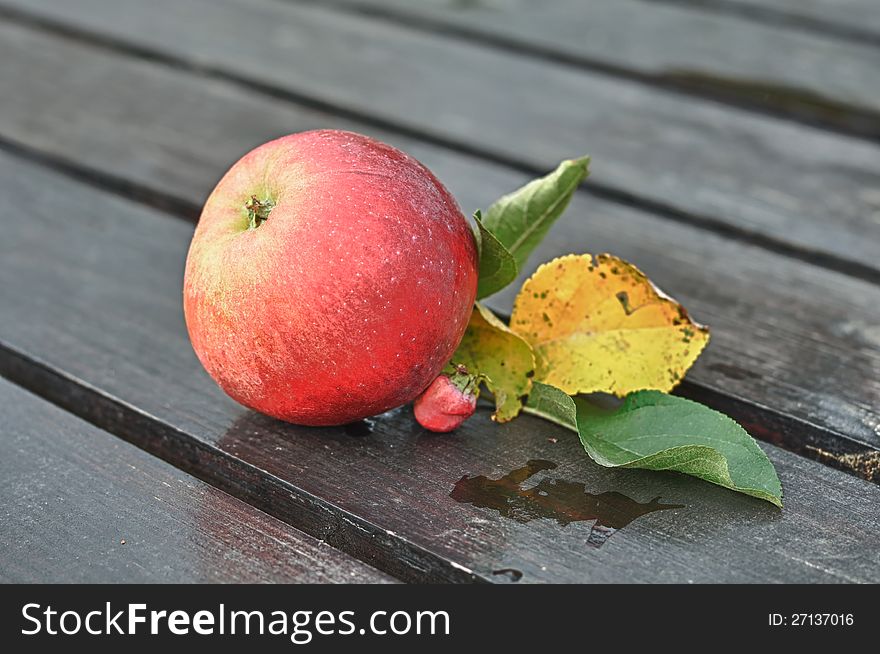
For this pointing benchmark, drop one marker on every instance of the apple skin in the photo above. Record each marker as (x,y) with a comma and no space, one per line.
(350,297)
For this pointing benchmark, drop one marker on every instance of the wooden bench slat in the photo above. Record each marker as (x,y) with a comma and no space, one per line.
(780,183)
(856,20)
(786,334)
(93,321)
(762,66)
(79,505)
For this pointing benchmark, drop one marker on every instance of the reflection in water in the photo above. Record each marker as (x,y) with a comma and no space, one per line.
(556,499)
(508,573)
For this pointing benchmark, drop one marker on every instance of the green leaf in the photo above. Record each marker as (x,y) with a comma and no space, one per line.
(497,266)
(656,431)
(521,219)
(552,404)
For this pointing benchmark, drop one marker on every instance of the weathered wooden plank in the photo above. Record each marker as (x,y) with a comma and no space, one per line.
(80,505)
(786,334)
(766,67)
(93,321)
(785,185)
(856,20)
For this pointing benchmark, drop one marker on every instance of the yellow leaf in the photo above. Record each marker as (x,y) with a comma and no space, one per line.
(602,326)
(504,359)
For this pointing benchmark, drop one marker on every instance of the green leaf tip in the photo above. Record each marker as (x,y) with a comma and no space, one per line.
(521,219)
(498,268)
(655,431)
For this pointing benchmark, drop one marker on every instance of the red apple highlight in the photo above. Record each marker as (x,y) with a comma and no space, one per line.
(330,278)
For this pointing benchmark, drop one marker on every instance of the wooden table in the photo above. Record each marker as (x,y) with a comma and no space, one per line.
(736,159)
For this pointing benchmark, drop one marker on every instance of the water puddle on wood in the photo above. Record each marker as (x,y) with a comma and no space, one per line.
(508,574)
(555,499)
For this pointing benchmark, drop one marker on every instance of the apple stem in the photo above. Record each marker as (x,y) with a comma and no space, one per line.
(258,211)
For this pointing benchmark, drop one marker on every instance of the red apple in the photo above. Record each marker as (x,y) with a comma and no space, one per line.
(330,278)
(446,403)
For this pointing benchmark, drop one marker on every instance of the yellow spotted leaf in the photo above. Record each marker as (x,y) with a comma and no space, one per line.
(505,361)
(600,325)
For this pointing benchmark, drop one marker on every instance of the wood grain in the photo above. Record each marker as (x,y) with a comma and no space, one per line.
(786,335)
(93,322)
(766,67)
(82,506)
(781,184)
(855,20)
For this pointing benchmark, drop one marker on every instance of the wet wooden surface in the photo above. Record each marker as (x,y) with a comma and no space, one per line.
(80,505)
(811,361)
(107,314)
(761,216)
